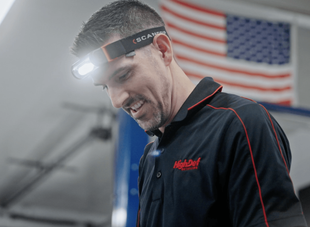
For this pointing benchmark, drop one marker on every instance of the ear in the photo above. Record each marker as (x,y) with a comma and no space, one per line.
(164,45)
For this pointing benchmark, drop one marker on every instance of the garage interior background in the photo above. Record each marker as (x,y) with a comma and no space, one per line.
(52,172)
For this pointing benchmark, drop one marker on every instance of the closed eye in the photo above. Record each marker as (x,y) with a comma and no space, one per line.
(123,77)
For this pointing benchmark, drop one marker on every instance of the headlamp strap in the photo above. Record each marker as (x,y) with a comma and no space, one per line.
(131,43)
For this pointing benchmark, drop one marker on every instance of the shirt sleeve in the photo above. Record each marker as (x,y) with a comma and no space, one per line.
(260,190)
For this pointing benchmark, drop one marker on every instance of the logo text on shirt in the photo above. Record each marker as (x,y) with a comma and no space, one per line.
(186,165)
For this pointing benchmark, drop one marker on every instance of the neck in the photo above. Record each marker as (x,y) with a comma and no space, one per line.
(182,87)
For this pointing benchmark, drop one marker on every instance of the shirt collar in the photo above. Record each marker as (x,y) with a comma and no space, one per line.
(199,97)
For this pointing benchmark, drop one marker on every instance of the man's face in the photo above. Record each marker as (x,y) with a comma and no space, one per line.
(141,85)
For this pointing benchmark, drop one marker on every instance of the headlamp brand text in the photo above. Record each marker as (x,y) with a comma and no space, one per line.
(145,37)
(186,165)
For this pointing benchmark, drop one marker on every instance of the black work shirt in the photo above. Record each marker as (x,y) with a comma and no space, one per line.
(223,161)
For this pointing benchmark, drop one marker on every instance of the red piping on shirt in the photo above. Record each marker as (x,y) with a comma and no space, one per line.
(252,157)
(138,221)
(248,99)
(218,89)
(149,143)
(274,130)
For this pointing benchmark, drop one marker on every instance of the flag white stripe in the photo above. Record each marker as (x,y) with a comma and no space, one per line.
(275,97)
(195,28)
(231,63)
(194,14)
(198,42)
(235,78)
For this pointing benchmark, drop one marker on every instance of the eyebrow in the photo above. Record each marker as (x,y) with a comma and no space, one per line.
(117,71)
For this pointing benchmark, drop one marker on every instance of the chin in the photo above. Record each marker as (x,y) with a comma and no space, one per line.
(148,126)
(154,123)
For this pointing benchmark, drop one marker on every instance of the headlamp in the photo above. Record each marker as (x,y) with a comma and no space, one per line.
(106,53)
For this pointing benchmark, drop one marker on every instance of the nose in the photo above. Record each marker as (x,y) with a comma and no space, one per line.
(118,96)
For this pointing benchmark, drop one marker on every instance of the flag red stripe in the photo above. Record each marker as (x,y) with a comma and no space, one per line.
(285,102)
(170,25)
(240,85)
(164,8)
(199,8)
(197,48)
(285,75)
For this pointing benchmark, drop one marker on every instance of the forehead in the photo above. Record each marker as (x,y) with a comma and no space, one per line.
(110,70)
(120,64)
(109,67)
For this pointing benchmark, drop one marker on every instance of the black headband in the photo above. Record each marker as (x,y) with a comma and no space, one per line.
(136,41)
(116,49)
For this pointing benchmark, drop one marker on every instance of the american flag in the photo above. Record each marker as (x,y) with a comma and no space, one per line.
(248,56)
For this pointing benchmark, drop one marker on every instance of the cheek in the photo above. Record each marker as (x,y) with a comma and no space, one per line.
(154,82)
(162,93)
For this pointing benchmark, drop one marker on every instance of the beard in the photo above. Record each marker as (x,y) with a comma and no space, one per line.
(159,118)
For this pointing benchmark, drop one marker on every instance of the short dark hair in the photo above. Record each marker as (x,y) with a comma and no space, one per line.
(122,17)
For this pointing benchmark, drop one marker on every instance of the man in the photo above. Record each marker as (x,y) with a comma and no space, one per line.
(218,159)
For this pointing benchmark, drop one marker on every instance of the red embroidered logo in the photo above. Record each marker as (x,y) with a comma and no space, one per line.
(186,165)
